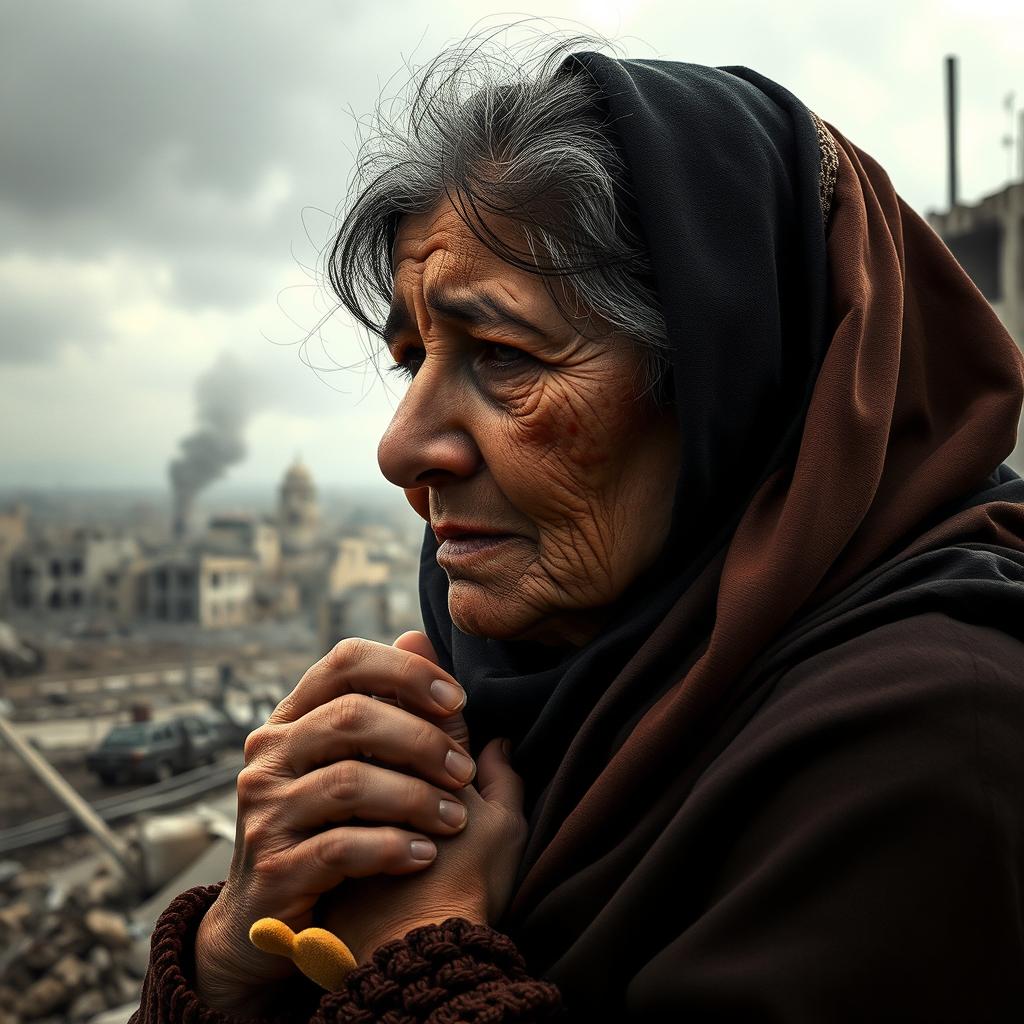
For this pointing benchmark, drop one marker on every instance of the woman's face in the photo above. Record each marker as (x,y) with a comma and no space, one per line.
(516,425)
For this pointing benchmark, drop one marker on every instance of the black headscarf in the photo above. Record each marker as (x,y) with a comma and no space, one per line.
(799,474)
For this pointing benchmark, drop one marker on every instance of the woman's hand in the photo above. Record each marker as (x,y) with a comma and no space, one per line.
(471,877)
(302,777)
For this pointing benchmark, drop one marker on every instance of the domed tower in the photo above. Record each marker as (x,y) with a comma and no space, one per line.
(297,512)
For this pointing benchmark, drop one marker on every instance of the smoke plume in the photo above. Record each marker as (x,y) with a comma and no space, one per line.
(224,398)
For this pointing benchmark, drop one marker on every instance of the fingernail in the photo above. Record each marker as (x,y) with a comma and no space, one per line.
(506,746)
(452,812)
(422,849)
(448,695)
(460,766)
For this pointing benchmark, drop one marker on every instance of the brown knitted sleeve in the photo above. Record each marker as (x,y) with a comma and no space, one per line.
(441,974)
(455,971)
(168,992)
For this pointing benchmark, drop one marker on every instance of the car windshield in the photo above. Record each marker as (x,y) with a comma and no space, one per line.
(126,736)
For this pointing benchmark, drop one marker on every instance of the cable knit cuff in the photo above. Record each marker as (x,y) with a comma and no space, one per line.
(443,973)
(168,993)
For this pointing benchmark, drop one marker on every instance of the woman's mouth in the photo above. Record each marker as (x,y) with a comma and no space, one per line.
(457,551)
(463,544)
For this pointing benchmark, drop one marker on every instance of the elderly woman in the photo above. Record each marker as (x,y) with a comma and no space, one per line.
(707,426)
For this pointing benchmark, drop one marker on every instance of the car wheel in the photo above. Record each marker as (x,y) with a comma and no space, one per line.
(163,771)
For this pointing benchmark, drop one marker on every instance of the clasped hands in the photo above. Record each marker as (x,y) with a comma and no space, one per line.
(303,792)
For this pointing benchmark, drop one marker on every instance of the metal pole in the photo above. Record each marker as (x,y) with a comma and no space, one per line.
(951,124)
(1020,145)
(66,793)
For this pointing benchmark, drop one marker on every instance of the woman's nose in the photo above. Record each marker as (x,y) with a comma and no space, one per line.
(429,441)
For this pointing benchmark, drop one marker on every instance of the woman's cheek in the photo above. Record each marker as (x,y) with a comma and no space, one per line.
(567,425)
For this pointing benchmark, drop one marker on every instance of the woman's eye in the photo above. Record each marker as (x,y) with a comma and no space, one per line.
(407,363)
(502,355)
(493,353)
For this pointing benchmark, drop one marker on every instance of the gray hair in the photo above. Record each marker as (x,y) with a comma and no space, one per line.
(509,137)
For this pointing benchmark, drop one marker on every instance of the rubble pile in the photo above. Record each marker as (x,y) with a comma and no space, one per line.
(68,951)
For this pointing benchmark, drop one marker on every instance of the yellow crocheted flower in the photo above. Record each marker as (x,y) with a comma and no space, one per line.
(319,954)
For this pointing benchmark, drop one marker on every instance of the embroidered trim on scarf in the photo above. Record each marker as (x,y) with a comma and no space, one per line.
(829,166)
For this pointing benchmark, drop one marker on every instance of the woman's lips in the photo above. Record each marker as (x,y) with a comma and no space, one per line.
(468,548)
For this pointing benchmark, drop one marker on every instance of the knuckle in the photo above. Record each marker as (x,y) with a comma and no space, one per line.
(418,798)
(394,845)
(425,737)
(409,676)
(254,743)
(337,848)
(255,833)
(285,709)
(250,785)
(349,712)
(271,869)
(345,782)
(261,740)
(348,651)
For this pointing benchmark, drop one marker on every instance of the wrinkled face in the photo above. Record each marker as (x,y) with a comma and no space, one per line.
(522,442)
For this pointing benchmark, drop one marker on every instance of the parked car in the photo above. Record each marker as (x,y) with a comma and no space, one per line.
(228,734)
(154,751)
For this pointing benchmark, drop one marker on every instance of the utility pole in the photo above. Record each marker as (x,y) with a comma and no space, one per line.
(951,87)
(1020,145)
(1008,139)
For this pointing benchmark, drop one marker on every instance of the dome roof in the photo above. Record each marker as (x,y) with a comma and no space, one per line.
(298,473)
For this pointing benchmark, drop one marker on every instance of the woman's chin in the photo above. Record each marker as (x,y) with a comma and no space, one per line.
(477,611)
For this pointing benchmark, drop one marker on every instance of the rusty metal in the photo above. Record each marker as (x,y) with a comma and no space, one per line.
(69,796)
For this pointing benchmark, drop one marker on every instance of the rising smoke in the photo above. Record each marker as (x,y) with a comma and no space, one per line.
(224,399)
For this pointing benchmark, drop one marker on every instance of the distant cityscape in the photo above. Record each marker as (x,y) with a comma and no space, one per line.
(138,608)
(143,635)
(159,576)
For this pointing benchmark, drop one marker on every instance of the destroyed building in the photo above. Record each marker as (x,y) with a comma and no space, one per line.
(67,573)
(193,585)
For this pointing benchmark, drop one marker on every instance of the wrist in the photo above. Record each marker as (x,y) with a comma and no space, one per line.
(231,974)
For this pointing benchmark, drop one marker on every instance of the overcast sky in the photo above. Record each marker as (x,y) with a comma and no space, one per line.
(169,172)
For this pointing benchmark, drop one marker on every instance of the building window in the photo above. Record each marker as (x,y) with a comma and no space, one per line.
(185,578)
(161,579)
(214,579)
(55,599)
(56,570)
(161,608)
(75,598)
(75,567)
(184,608)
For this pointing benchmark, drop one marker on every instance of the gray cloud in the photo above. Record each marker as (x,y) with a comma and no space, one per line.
(34,331)
(175,132)
(156,160)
